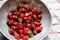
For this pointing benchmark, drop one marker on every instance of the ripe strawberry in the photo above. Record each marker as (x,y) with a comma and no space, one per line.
(37,23)
(30,18)
(9,15)
(17,13)
(39,16)
(24,24)
(33,26)
(21,31)
(18,7)
(22,16)
(25,18)
(13,10)
(11,31)
(14,17)
(30,13)
(19,19)
(20,26)
(14,27)
(38,20)
(27,21)
(26,30)
(15,23)
(17,30)
(33,11)
(25,38)
(31,8)
(9,22)
(17,36)
(38,29)
(23,10)
(37,11)
(21,35)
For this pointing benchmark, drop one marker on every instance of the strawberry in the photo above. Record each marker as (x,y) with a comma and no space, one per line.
(10,14)
(9,22)
(27,21)
(37,23)
(15,23)
(24,24)
(20,26)
(33,11)
(11,31)
(23,10)
(30,13)
(17,36)
(37,12)
(21,35)
(14,17)
(33,26)
(25,38)
(21,31)
(31,8)
(13,10)
(25,18)
(22,16)
(30,18)
(19,19)
(39,16)
(38,29)
(34,32)
(18,7)
(14,27)
(26,30)
(17,13)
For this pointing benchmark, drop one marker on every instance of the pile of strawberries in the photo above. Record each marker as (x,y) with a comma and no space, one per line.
(24,22)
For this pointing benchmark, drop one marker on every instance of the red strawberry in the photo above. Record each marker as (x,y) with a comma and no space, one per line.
(26,30)
(14,27)
(31,8)
(30,13)
(21,31)
(13,10)
(10,22)
(9,15)
(14,17)
(19,19)
(39,16)
(25,38)
(11,31)
(17,13)
(37,11)
(17,30)
(18,7)
(25,18)
(23,10)
(33,26)
(37,23)
(15,23)
(33,11)
(17,36)
(30,18)
(21,26)
(22,16)
(38,20)
(38,29)
(21,35)
(27,21)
